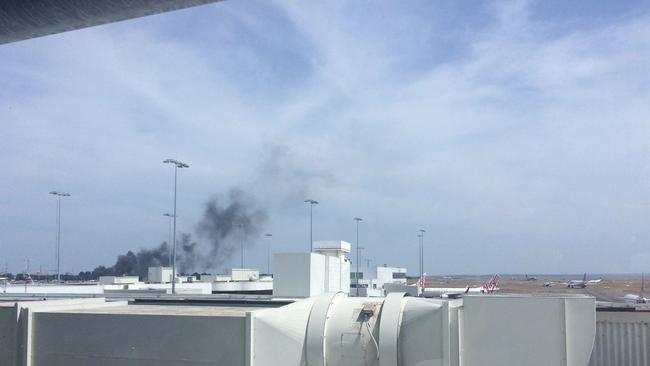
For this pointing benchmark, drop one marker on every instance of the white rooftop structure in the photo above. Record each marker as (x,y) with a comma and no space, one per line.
(118,280)
(334,247)
(242,274)
(207,278)
(371,281)
(160,274)
(239,281)
(299,275)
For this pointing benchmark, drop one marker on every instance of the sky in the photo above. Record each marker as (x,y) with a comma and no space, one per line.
(515,133)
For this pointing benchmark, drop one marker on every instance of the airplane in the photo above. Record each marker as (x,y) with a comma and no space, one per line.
(637,299)
(531,278)
(583,282)
(456,292)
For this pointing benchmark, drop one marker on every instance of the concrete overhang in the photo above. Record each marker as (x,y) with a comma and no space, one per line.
(24,19)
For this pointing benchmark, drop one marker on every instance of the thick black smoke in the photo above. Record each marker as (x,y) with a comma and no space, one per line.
(222,229)
(227,226)
(136,264)
(187,256)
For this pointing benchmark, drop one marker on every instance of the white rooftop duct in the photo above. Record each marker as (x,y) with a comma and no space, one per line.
(333,329)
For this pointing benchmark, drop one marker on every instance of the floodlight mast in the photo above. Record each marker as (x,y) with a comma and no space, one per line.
(169,238)
(177,165)
(356,273)
(268,253)
(421,236)
(311,223)
(243,235)
(58,231)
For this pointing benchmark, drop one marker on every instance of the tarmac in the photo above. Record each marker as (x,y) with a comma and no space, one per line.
(610,289)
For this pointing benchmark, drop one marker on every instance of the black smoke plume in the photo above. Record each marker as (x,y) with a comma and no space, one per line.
(187,255)
(226,227)
(223,228)
(136,264)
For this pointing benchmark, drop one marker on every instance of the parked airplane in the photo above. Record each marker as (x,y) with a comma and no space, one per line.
(583,282)
(455,292)
(637,299)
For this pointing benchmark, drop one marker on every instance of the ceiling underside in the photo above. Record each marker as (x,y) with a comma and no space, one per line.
(24,19)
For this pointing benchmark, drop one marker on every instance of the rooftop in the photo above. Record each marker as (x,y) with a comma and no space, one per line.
(178,310)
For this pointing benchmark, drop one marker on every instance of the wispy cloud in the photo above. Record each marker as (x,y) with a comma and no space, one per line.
(519,141)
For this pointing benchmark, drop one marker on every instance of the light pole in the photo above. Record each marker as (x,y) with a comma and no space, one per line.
(356,273)
(422,231)
(58,231)
(419,256)
(177,164)
(242,244)
(268,253)
(169,238)
(311,223)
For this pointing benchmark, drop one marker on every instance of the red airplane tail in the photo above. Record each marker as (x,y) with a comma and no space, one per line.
(642,284)
(489,287)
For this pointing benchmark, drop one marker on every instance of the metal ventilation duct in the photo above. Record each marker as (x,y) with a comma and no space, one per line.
(331,329)
(406,331)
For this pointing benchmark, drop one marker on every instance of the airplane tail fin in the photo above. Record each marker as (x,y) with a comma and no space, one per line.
(421,281)
(492,285)
(584,277)
(642,283)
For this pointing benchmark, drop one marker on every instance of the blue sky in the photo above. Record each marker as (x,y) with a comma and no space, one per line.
(515,132)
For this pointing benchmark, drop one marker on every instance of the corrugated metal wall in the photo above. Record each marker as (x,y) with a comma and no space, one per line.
(622,339)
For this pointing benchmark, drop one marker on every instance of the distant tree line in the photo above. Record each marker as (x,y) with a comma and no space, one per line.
(81,276)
